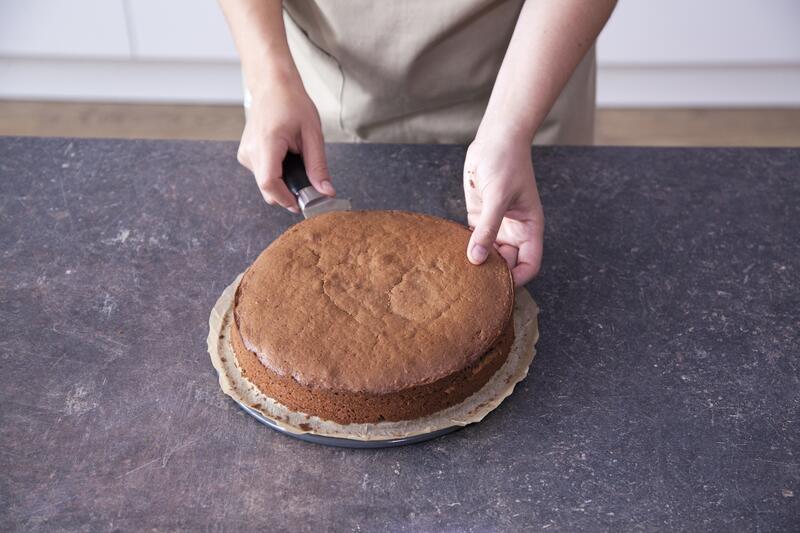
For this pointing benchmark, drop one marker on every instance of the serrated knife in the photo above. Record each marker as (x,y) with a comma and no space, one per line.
(311,201)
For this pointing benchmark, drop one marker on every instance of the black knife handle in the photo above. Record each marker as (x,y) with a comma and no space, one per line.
(294,173)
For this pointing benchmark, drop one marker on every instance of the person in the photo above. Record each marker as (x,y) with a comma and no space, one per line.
(497,74)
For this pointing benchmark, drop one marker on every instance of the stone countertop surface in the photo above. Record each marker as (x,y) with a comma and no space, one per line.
(664,395)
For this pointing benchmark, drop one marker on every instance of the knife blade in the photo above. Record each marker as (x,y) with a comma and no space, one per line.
(311,201)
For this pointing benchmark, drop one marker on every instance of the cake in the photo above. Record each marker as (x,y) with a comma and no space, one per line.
(370,316)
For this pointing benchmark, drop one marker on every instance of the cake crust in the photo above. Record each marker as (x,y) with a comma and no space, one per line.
(346,407)
(370,310)
(372,301)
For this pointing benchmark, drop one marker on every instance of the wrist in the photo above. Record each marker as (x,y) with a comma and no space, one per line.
(507,129)
(271,77)
(268,66)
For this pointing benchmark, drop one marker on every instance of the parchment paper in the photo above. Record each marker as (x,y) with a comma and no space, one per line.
(471,410)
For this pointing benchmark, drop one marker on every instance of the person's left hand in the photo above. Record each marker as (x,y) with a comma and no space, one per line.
(503,205)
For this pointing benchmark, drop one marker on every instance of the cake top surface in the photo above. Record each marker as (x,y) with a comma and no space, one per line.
(372,301)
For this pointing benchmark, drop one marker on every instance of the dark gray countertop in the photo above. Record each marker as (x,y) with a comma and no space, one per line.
(665,394)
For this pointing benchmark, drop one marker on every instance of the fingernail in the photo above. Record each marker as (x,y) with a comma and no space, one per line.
(478,253)
(294,210)
(327,188)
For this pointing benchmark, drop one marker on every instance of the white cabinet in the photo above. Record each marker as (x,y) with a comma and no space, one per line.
(180,29)
(707,32)
(652,53)
(700,53)
(73,29)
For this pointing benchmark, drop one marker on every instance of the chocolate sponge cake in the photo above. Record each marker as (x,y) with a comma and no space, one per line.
(370,316)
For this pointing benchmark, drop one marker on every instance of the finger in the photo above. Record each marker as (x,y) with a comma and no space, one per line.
(315,161)
(509,253)
(486,229)
(269,197)
(275,192)
(529,259)
(269,176)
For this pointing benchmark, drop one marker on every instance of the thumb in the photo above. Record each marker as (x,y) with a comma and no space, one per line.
(316,162)
(485,233)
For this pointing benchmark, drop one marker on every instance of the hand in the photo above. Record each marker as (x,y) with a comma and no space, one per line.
(503,204)
(283,118)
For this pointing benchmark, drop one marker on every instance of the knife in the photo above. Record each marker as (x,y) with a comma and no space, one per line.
(311,201)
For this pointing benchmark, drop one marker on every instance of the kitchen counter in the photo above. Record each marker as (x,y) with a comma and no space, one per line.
(665,394)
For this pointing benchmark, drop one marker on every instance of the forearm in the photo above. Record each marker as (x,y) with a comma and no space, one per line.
(550,39)
(260,37)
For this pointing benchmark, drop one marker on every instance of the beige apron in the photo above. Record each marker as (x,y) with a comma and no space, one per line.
(417,71)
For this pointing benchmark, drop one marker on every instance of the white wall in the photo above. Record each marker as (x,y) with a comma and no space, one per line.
(652,53)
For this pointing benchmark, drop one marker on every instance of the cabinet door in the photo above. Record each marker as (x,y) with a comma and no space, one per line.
(180,29)
(688,32)
(63,28)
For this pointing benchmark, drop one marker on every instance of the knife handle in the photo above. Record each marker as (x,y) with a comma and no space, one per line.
(294,173)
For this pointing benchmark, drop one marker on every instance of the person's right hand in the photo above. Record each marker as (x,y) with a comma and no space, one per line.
(283,118)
